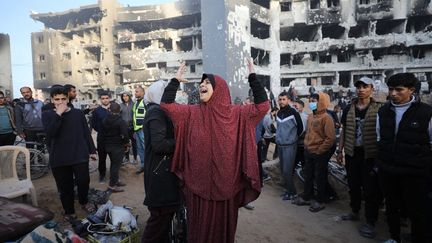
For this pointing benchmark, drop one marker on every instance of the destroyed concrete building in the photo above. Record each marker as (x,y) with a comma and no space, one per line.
(5,66)
(324,43)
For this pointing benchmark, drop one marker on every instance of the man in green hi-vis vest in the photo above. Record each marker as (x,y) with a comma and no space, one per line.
(138,113)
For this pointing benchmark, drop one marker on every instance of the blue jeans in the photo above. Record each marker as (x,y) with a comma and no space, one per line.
(139,136)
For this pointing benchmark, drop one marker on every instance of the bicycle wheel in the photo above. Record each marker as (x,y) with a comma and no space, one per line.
(178,228)
(299,173)
(338,172)
(38,165)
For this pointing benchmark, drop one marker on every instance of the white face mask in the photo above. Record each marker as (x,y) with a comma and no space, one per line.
(313,105)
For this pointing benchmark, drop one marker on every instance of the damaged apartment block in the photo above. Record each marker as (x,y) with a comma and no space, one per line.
(323,43)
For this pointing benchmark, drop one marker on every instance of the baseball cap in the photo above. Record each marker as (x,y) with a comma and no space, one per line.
(364,80)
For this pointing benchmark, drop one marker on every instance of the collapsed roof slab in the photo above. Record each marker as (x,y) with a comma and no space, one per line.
(144,26)
(159,12)
(60,20)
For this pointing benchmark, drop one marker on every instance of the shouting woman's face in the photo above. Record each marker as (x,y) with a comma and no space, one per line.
(205,90)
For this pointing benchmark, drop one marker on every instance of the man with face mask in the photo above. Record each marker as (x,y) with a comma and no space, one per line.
(319,139)
(289,128)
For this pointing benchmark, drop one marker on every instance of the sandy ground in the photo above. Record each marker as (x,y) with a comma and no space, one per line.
(272,220)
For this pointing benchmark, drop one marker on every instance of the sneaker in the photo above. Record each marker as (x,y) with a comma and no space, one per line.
(249,207)
(139,171)
(367,231)
(316,207)
(288,197)
(350,216)
(266,178)
(101,179)
(119,183)
(390,241)
(299,201)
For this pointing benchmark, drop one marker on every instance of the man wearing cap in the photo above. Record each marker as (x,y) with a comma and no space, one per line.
(358,139)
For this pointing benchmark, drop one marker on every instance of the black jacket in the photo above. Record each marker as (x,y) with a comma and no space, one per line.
(408,152)
(116,130)
(161,185)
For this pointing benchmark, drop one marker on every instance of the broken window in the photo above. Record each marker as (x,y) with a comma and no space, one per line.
(364,1)
(40,39)
(360,30)
(418,52)
(344,57)
(327,80)
(142,44)
(67,74)
(285,82)
(286,6)
(42,75)
(185,43)
(285,59)
(41,58)
(419,24)
(261,57)
(297,59)
(262,3)
(332,3)
(384,27)
(333,31)
(127,46)
(259,29)
(299,32)
(324,58)
(192,68)
(166,44)
(162,65)
(344,79)
(314,4)
(378,53)
(308,81)
(66,56)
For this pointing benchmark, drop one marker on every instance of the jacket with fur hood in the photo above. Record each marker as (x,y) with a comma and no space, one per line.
(320,133)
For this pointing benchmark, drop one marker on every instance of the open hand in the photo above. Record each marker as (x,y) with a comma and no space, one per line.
(93,157)
(250,65)
(61,108)
(180,72)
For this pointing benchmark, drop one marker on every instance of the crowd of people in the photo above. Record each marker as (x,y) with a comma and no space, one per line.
(208,155)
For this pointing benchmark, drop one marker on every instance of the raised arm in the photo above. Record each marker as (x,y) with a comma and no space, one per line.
(175,111)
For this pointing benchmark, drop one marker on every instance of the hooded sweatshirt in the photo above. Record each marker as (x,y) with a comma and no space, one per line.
(320,133)
(116,130)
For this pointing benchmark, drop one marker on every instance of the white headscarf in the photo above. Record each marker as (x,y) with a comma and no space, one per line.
(154,92)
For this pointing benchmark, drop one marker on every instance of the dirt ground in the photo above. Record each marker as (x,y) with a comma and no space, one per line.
(272,220)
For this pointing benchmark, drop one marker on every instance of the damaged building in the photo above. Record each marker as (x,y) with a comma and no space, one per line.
(5,66)
(299,43)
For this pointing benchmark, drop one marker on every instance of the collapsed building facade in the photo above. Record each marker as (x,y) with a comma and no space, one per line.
(299,43)
(5,66)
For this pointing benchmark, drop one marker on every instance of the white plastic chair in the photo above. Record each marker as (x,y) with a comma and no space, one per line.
(10,185)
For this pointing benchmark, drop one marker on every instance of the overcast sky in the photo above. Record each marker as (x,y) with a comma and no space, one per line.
(16,22)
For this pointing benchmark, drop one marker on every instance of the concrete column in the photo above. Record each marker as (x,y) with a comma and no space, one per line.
(275,49)
(226,42)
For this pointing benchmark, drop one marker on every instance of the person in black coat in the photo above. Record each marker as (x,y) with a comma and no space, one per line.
(161,185)
(116,141)
(70,145)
